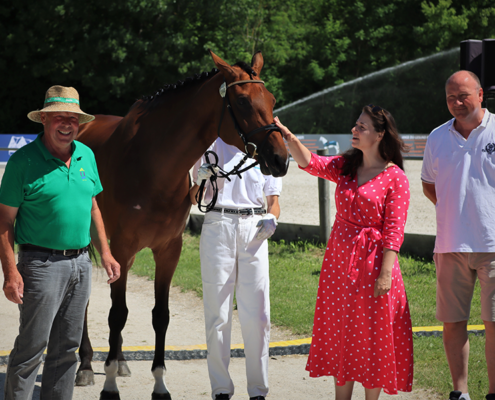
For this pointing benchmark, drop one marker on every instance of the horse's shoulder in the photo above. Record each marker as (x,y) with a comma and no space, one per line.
(97,132)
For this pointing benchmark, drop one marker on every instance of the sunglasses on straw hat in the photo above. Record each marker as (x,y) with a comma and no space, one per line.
(61,99)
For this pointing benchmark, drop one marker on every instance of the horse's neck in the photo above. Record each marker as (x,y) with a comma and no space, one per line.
(192,128)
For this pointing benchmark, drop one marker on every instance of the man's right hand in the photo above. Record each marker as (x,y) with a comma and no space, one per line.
(111,266)
(13,287)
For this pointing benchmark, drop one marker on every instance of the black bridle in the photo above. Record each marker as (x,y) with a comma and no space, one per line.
(215,175)
(244,136)
(245,139)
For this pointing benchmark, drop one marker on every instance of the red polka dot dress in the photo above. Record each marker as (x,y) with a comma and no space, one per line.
(357,337)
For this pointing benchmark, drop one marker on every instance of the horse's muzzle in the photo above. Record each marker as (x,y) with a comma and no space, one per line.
(274,164)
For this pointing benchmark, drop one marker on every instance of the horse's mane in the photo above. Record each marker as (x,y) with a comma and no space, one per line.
(247,68)
(196,79)
(182,84)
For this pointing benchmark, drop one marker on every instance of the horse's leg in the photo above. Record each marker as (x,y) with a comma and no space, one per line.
(166,259)
(123,370)
(85,375)
(116,321)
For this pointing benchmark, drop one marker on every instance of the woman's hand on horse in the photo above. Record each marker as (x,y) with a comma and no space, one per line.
(286,133)
(383,284)
(297,150)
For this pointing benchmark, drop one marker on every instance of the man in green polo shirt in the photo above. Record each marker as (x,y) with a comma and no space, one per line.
(48,190)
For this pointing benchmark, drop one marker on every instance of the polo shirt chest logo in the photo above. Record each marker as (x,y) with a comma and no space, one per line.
(83,174)
(489,148)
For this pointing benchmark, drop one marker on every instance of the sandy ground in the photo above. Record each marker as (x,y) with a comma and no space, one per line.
(189,379)
(185,379)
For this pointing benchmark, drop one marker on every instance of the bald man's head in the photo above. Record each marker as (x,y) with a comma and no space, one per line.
(463,76)
(464,97)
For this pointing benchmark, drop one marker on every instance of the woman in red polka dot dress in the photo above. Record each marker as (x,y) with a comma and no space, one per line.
(362,326)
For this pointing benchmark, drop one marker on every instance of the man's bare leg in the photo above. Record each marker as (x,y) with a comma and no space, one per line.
(456,345)
(490,353)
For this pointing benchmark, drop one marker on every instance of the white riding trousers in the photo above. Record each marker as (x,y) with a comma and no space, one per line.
(232,259)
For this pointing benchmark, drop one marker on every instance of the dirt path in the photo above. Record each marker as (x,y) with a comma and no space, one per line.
(185,379)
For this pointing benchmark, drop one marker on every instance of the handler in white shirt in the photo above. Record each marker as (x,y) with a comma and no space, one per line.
(234,256)
(459,178)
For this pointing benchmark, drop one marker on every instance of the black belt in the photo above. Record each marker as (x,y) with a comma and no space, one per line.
(240,211)
(39,249)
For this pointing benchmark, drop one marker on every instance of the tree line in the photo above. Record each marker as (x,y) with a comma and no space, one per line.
(115,52)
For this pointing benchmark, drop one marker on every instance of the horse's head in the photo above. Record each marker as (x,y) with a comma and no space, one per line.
(251,109)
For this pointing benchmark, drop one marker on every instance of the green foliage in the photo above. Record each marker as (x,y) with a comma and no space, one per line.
(114,52)
(447,22)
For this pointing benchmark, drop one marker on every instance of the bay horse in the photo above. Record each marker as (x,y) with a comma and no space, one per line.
(144,160)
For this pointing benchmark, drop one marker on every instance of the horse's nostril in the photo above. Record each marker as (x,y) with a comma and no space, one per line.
(281,161)
(280,164)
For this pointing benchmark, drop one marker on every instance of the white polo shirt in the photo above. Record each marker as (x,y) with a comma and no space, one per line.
(239,193)
(463,172)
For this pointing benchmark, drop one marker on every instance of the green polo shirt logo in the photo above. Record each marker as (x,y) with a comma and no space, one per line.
(83,174)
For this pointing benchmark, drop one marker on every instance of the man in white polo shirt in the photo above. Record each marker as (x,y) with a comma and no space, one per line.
(459,178)
(234,256)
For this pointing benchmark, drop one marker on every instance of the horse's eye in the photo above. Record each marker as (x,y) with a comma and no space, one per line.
(241,101)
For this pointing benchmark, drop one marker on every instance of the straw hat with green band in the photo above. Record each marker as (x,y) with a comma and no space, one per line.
(61,99)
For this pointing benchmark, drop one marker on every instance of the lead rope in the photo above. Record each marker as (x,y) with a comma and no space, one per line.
(213,179)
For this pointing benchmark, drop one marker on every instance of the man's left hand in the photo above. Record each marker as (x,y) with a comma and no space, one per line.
(111,266)
(267,226)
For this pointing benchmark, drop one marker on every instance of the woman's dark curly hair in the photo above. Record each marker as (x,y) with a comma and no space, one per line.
(391,146)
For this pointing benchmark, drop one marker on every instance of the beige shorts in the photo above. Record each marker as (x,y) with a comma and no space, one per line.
(456,276)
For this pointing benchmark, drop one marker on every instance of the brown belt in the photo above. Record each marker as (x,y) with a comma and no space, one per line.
(39,249)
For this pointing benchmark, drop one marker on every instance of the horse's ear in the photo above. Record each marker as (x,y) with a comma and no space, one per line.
(225,68)
(257,62)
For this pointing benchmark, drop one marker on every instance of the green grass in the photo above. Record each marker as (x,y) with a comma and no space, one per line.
(188,273)
(420,281)
(294,274)
(431,370)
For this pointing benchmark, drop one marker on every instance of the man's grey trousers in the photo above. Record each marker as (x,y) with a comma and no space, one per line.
(56,292)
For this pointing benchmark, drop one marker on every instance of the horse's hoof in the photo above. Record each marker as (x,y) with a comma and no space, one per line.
(85,378)
(160,396)
(104,395)
(124,369)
